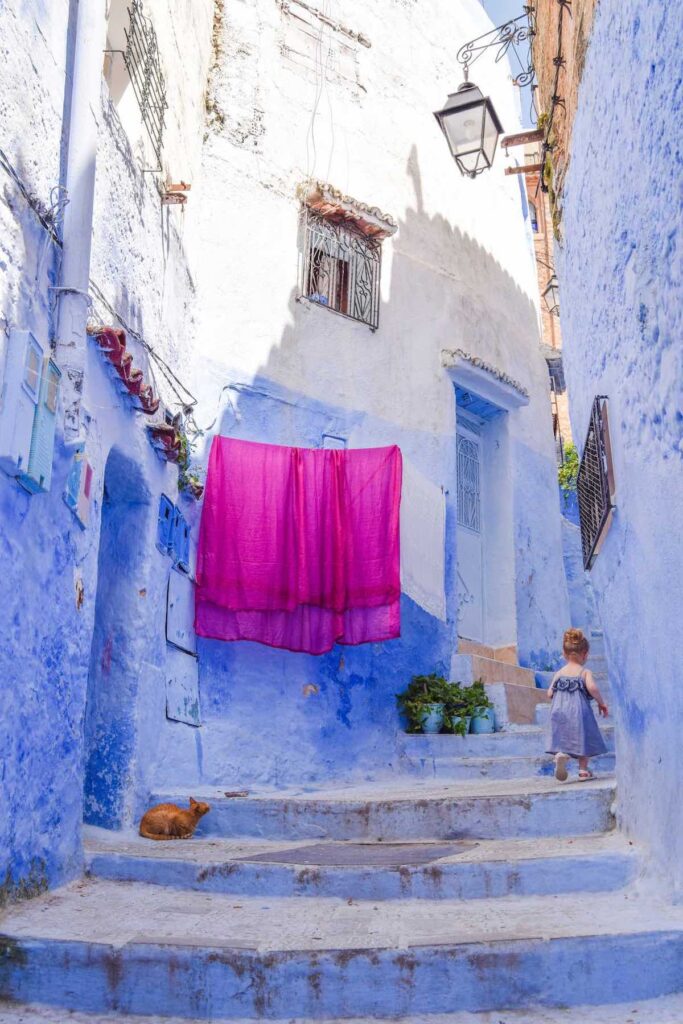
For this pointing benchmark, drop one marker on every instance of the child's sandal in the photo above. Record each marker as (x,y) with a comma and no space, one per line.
(585,775)
(561,772)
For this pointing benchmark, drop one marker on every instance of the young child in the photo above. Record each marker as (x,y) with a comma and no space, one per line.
(574,731)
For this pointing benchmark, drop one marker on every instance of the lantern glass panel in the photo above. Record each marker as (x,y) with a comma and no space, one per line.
(463,129)
(491,132)
(551,296)
(471,127)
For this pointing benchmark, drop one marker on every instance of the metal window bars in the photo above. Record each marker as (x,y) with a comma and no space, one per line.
(340,268)
(141,57)
(595,483)
(557,431)
(469,494)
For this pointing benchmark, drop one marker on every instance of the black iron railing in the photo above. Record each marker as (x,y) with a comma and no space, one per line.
(595,483)
(141,57)
(340,268)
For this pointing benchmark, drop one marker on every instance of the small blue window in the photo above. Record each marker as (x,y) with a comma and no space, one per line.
(533,216)
(165,525)
(180,543)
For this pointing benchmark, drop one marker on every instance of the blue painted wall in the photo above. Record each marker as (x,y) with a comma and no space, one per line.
(82,682)
(622,231)
(118,643)
(49,585)
(275,717)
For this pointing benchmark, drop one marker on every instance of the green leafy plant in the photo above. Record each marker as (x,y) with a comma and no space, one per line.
(466,702)
(477,698)
(456,710)
(190,482)
(568,471)
(459,702)
(420,692)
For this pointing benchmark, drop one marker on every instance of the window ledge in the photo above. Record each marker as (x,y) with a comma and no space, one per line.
(332,204)
(485,380)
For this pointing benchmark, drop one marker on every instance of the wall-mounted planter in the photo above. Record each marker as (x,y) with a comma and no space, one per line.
(166,440)
(112,345)
(191,485)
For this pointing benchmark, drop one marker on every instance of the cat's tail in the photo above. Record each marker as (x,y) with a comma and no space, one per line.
(154,835)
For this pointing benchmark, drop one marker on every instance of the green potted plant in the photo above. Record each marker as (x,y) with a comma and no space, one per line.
(480,708)
(423,703)
(458,716)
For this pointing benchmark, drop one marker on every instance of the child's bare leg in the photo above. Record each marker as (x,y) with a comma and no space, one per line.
(583,764)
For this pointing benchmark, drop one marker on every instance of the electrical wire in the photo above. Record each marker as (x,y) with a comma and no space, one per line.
(186,399)
(555,100)
(51,220)
(31,200)
(327,12)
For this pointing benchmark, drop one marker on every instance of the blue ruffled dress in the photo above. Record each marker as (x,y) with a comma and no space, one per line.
(573,727)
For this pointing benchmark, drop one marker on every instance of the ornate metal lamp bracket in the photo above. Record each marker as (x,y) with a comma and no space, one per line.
(517,34)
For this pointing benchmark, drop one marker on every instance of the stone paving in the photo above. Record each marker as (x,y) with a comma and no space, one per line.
(278,925)
(667,1010)
(381,900)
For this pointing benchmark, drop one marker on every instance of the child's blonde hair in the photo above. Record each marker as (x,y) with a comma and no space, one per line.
(574,642)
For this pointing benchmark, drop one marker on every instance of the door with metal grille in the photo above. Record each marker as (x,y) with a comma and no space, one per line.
(470,552)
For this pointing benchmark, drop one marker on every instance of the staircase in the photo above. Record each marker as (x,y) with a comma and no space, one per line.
(471,883)
(510,687)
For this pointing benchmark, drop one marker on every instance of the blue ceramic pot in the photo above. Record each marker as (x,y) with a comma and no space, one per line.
(467,720)
(432,718)
(485,721)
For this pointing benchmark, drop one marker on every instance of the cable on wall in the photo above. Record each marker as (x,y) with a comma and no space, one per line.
(50,220)
(44,216)
(556,100)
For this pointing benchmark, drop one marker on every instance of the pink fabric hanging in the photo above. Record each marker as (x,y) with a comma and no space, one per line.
(298,547)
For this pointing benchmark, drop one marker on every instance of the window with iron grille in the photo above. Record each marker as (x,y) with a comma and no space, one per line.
(556,371)
(595,483)
(469,494)
(341,268)
(131,34)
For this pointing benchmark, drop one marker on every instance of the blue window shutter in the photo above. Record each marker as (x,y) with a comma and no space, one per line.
(165,525)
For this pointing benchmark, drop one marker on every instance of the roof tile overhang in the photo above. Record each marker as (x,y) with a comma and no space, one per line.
(332,204)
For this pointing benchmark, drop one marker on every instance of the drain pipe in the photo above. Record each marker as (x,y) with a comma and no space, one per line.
(79,181)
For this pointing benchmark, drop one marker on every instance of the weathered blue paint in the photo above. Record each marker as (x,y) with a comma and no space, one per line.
(116,649)
(84,610)
(275,717)
(625,342)
(144,977)
(48,565)
(444,814)
(460,880)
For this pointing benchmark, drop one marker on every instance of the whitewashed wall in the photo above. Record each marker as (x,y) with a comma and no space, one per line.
(293,98)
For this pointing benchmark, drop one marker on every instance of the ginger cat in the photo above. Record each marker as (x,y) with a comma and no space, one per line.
(167,821)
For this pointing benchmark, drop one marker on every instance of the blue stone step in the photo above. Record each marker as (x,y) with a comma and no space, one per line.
(665,1010)
(520,741)
(493,767)
(134,948)
(412,809)
(380,871)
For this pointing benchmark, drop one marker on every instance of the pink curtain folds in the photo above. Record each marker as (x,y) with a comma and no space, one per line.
(298,547)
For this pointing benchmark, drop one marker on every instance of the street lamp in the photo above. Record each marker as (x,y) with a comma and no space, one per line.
(551,296)
(469,120)
(472,128)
